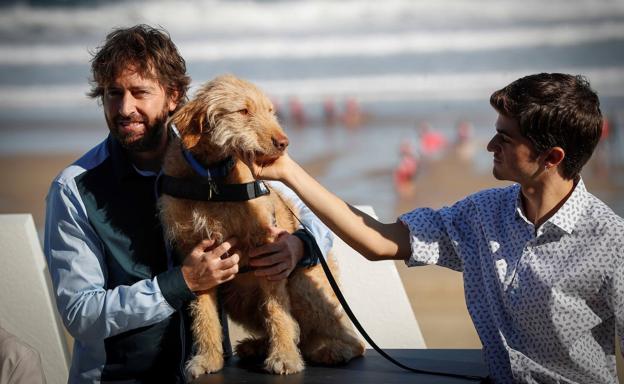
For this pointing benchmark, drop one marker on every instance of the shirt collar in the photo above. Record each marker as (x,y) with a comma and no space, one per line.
(568,214)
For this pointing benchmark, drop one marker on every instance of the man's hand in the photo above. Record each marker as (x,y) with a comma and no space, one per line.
(277,260)
(208,266)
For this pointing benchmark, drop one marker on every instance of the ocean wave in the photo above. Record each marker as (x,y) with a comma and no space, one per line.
(609,82)
(241,17)
(340,45)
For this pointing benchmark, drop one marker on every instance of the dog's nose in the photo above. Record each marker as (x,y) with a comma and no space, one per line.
(280,143)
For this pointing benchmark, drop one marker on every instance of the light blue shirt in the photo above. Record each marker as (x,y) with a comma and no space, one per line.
(546,301)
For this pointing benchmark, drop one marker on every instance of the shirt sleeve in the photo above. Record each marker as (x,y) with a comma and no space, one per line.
(324,236)
(77,266)
(440,237)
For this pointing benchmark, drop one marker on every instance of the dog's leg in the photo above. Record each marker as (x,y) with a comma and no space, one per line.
(208,338)
(327,335)
(282,330)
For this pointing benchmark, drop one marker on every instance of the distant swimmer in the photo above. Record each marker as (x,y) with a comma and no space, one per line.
(406,169)
(431,141)
(352,117)
(297,112)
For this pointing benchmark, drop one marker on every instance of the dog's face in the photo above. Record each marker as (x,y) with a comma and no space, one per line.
(231,117)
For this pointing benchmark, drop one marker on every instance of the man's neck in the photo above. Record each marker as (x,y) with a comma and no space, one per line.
(543,199)
(148,160)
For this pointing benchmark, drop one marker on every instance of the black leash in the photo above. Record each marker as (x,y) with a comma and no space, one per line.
(361,329)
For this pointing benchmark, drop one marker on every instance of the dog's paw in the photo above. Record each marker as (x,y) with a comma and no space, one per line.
(252,348)
(336,352)
(285,363)
(201,364)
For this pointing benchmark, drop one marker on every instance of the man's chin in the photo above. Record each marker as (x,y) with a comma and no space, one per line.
(497,175)
(140,141)
(130,141)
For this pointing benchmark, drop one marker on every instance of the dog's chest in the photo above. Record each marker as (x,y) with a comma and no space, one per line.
(248,221)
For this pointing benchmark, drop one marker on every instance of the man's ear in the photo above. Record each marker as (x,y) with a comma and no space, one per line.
(189,120)
(173,100)
(554,157)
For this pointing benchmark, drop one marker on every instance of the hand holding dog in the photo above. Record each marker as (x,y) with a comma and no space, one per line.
(277,260)
(205,267)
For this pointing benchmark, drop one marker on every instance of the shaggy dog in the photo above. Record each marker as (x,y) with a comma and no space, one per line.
(289,319)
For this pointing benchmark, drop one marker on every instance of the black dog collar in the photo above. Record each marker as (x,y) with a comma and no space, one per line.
(209,190)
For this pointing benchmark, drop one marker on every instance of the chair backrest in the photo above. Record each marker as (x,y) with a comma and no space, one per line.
(26,304)
(377,297)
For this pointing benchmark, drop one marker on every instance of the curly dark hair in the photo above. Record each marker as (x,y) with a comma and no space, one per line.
(149,50)
(554,110)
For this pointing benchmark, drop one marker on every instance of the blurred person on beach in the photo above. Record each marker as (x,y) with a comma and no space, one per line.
(432,142)
(464,146)
(19,362)
(406,170)
(121,294)
(542,259)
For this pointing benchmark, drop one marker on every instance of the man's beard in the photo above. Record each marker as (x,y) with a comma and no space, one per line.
(152,136)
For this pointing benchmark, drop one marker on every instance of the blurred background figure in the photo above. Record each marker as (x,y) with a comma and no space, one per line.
(464,145)
(406,170)
(432,142)
(297,112)
(329,111)
(19,362)
(352,117)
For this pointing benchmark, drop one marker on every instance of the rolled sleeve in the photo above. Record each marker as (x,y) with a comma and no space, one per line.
(436,235)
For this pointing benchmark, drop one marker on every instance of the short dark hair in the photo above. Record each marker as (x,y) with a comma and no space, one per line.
(149,50)
(554,110)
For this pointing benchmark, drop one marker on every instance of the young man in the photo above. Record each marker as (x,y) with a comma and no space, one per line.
(119,293)
(542,260)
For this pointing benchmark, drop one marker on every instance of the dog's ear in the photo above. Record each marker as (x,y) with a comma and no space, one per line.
(190,120)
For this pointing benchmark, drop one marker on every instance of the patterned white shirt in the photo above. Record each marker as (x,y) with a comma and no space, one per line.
(546,302)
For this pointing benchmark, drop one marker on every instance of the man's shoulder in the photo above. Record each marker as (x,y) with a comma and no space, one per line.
(90,160)
(603,220)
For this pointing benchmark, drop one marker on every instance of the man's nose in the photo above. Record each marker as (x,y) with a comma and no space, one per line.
(127,105)
(490,145)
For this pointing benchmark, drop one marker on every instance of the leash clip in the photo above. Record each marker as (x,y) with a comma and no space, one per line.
(212,189)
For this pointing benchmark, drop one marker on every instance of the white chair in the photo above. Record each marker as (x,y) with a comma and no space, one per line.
(376,296)
(26,304)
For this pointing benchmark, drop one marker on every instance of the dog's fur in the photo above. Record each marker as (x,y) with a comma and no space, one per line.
(288,318)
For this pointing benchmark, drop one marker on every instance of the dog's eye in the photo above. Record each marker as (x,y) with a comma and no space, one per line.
(243,111)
